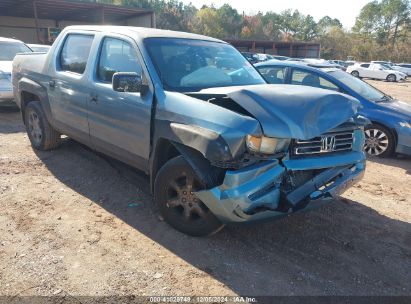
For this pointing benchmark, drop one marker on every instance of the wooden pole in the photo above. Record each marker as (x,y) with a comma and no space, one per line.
(39,40)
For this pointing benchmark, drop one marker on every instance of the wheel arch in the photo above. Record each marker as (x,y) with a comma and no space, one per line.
(33,91)
(391,129)
(166,149)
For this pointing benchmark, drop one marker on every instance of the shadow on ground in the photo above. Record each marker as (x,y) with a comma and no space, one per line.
(399,161)
(10,120)
(343,248)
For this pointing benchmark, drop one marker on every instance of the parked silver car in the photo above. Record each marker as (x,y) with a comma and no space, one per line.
(8,49)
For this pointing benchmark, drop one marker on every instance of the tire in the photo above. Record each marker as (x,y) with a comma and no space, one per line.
(379,141)
(41,134)
(173,196)
(391,78)
(355,74)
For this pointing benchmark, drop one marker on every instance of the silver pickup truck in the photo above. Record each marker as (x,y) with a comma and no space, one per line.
(219,144)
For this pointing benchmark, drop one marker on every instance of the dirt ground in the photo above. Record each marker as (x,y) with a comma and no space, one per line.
(73,222)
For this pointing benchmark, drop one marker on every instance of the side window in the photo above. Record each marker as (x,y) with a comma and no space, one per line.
(365,65)
(273,74)
(75,52)
(116,56)
(312,80)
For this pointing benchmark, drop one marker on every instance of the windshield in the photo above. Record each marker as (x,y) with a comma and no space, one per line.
(9,49)
(186,65)
(385,67)
(360,87)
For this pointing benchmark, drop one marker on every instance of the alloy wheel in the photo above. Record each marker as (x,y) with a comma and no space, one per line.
(182,200)
(355,74)
(376,142)
(35,128)
(391,78)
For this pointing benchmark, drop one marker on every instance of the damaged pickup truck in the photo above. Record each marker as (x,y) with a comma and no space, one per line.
(220,145)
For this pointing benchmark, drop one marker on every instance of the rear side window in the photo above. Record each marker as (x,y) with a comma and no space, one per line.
(273,74)
(75,53)
(312,80)
(366,65)
(116,55)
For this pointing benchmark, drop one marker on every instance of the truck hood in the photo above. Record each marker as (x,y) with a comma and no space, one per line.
(6,66)
(292,111)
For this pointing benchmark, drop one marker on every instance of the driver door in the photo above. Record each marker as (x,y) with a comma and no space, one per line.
(119,121)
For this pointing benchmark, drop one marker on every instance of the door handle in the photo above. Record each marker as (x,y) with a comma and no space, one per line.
(94,98)
(52,83)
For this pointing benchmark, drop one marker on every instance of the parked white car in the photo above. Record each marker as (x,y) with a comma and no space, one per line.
(403,67)
(376,71)
(397,67)
(8,49)
(42,48)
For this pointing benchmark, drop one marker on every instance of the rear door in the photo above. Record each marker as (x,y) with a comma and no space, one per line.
(273,74)
(311,79)
(119,121)
(67,87)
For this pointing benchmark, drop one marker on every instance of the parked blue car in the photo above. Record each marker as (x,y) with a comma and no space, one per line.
(390,131)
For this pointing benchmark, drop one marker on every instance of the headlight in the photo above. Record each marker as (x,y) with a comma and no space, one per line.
(267,145)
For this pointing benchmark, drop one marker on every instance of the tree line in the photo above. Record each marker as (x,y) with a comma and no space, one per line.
(382,30)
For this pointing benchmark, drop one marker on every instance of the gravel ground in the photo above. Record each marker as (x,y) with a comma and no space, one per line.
(73,222)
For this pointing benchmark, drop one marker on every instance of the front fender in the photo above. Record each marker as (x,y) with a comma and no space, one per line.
(216,132)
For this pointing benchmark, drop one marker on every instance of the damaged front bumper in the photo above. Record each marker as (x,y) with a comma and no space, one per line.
(257,192)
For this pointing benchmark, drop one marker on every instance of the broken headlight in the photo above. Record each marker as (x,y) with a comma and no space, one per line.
(267,145)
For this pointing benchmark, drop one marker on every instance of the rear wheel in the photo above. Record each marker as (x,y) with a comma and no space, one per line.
(379,141)
(173,191)
(391,78)
(41,134)
(355,74)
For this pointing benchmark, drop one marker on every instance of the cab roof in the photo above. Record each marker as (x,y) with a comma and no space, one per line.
(141,32)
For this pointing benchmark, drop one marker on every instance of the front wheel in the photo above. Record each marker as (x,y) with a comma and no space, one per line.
(355,74)
(379,141)
(173,193)
(41,134)
(391,78)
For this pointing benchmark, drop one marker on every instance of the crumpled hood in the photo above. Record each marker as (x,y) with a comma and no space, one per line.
(292,111)
(6,66)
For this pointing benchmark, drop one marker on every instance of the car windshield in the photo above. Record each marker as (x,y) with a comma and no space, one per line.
(386,67)
(187,65)
(9,49)
(360,87)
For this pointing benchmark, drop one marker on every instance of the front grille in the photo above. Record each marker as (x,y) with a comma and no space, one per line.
(326,143)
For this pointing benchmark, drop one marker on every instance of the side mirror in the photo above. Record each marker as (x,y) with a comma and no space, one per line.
(127,82)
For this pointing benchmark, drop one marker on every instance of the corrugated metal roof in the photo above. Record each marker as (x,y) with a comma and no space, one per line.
(68,10)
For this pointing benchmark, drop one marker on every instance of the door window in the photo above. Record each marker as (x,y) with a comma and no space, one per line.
(116,55)
(273,74)
(312,80)
(75,53)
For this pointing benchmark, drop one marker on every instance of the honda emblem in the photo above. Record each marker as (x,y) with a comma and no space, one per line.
(327,143)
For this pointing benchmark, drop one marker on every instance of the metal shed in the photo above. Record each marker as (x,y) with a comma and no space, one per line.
(39,21)
(290,49)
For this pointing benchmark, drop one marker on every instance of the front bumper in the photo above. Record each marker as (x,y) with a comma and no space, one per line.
(255,193)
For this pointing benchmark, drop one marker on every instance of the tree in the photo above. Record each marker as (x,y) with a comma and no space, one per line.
(385,21)
(230,21)
(206,22)
(326,23)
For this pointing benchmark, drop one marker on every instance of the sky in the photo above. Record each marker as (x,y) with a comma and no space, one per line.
(345,10)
